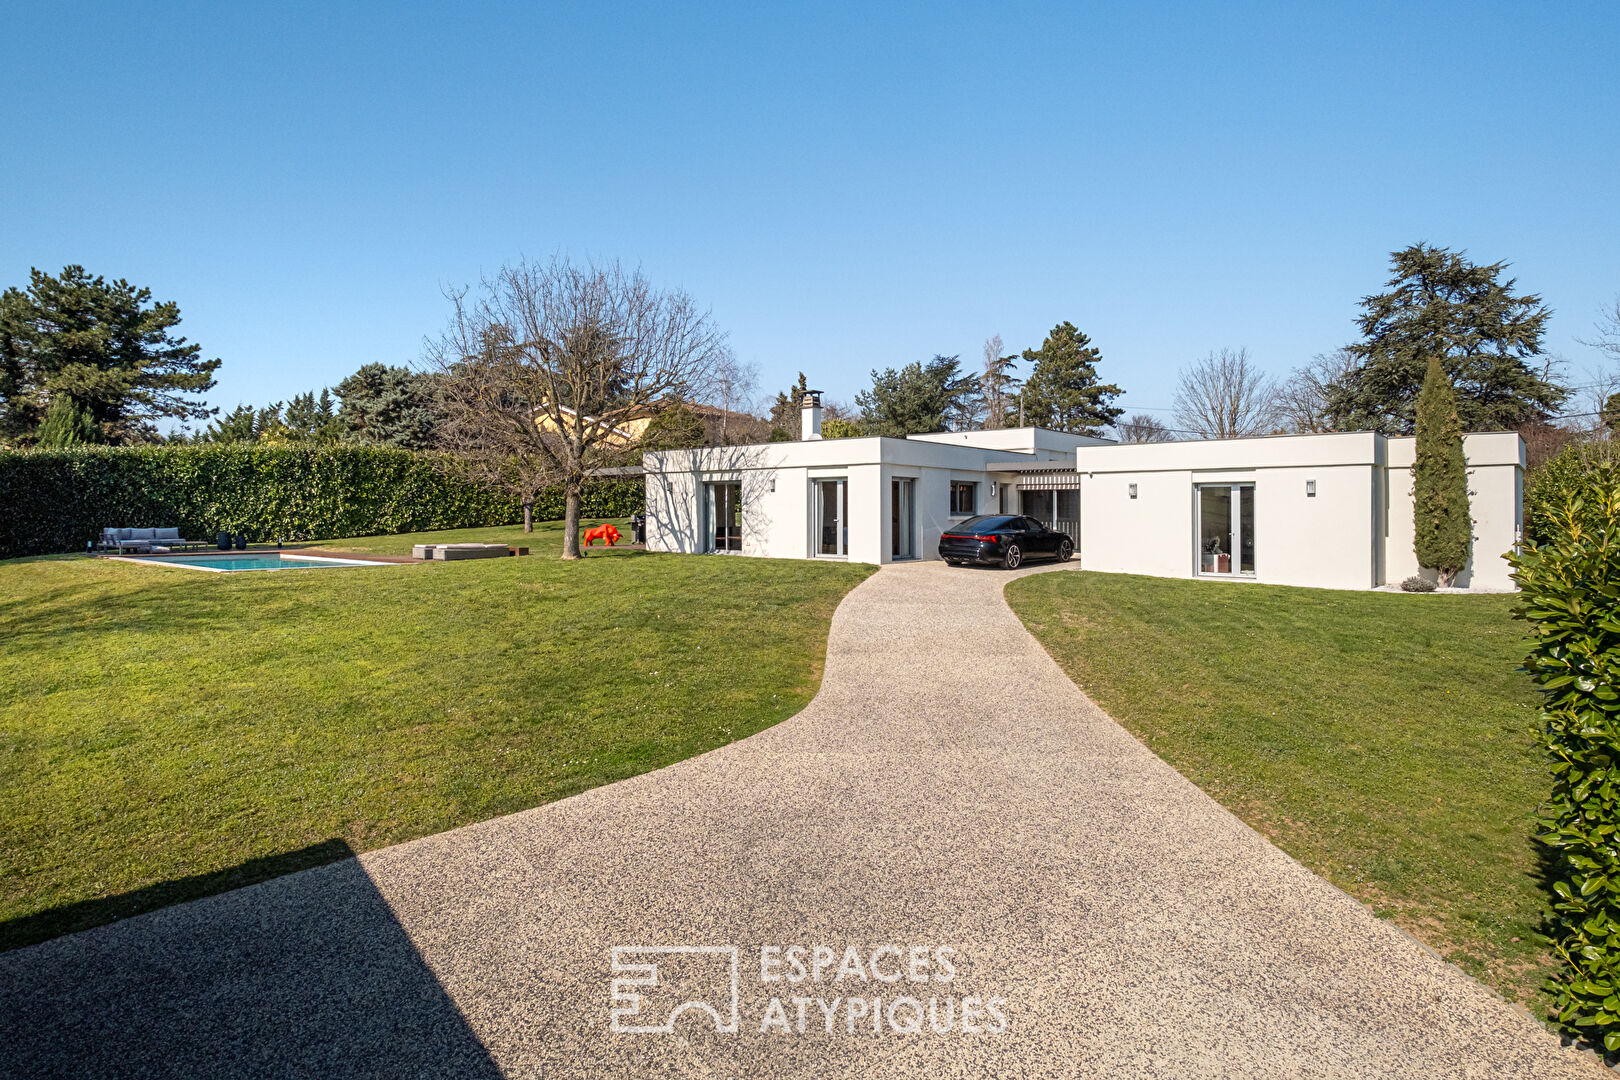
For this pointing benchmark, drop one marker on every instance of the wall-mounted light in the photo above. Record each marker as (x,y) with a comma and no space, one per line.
(1310,489)
(773,485)
(1133,491)
(992,487)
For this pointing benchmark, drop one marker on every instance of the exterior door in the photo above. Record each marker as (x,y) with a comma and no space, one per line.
(831,535)
(903,519)
(1226,529)
(725,516)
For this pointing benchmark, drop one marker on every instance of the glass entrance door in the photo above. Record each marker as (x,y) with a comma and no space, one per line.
(903,519)
(725,517)
(831,530)
(1226,529)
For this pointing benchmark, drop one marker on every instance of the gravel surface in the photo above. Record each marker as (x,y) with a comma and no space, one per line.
(949,802)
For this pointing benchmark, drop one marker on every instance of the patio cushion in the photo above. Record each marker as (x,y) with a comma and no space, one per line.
(167,534)
(126,534)
(141,534)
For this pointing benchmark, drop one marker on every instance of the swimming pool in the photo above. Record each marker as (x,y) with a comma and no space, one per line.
(254,560)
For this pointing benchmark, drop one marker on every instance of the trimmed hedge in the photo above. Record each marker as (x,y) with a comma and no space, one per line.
(1571,584)
(1551,487)
(60,500)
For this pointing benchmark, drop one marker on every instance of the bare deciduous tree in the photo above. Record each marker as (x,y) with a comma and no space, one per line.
(1225,396)
(545,361)
(1302,400)
(1608,332)
(997,384)
(1141,428)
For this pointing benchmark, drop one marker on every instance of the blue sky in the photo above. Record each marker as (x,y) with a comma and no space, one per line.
(847,186)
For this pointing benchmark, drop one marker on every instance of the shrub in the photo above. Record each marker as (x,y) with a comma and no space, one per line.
(1560,480)
(1417,584)
(59,500)
(1571,584)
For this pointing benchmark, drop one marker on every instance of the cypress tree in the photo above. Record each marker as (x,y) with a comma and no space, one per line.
(1440,516)
(65,424)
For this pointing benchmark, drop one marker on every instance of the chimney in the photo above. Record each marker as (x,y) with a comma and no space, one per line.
(810,415)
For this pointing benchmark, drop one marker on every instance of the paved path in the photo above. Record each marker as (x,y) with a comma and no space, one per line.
(948,786)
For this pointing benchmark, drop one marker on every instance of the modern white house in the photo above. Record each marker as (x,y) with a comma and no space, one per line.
(1331,510)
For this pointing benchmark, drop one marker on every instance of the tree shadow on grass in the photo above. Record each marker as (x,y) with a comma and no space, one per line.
(308,974)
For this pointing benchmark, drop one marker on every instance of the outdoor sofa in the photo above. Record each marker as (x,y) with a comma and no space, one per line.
(146,540)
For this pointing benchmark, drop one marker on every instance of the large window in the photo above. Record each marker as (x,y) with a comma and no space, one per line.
(831,505)
(725,516)
(964,499)
(1226,529)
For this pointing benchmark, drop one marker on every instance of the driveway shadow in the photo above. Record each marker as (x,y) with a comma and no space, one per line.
(307,975)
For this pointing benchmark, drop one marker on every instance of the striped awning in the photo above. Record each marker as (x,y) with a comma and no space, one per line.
(1048,480)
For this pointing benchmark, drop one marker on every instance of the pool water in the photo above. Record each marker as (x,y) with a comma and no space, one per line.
(269,560)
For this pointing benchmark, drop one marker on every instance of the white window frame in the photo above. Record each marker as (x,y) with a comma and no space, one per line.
(1234,538)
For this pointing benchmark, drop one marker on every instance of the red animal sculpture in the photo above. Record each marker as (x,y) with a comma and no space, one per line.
(605,532)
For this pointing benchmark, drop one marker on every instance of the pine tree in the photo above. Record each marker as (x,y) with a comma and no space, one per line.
(1063,392)
(1440,516)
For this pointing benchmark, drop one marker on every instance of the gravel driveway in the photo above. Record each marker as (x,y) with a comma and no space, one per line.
(949,803)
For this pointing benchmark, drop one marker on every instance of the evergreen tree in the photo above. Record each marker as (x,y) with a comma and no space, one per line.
(1440,516)
(104,344)
(1062,391)
(309,418)
(677,428)
(390,406)
(238,425)
(918,398)
(1441,305)
(65,424)
(785,410)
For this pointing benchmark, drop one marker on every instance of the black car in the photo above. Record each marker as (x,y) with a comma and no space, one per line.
(1003,539)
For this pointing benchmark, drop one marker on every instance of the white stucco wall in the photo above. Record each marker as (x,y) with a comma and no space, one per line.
(1354,533)
(776,480)
(1495,500)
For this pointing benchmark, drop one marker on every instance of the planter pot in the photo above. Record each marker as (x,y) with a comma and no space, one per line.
(241,541)
(224,541)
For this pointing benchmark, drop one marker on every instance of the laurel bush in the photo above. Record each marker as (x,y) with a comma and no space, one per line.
(1571,586)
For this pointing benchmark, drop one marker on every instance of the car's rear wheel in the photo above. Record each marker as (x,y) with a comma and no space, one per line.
(1014,558)
(1066,550)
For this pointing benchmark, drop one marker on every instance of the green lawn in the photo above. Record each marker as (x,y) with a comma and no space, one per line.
(1384,740)
(166,733)
(545,540)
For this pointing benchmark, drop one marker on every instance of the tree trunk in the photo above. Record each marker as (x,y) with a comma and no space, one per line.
(528,515)
(571,500)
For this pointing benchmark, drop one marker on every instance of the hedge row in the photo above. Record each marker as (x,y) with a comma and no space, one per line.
(59,500)
(1551,487)
(1570,579)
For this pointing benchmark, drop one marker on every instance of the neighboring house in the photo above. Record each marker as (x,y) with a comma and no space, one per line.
(629,429)
(1329,510)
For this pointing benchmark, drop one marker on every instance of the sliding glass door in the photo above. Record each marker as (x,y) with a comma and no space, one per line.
(1226,529)
(831,530)
(725,516)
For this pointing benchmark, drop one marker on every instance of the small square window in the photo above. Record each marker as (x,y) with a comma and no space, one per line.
(964,498)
